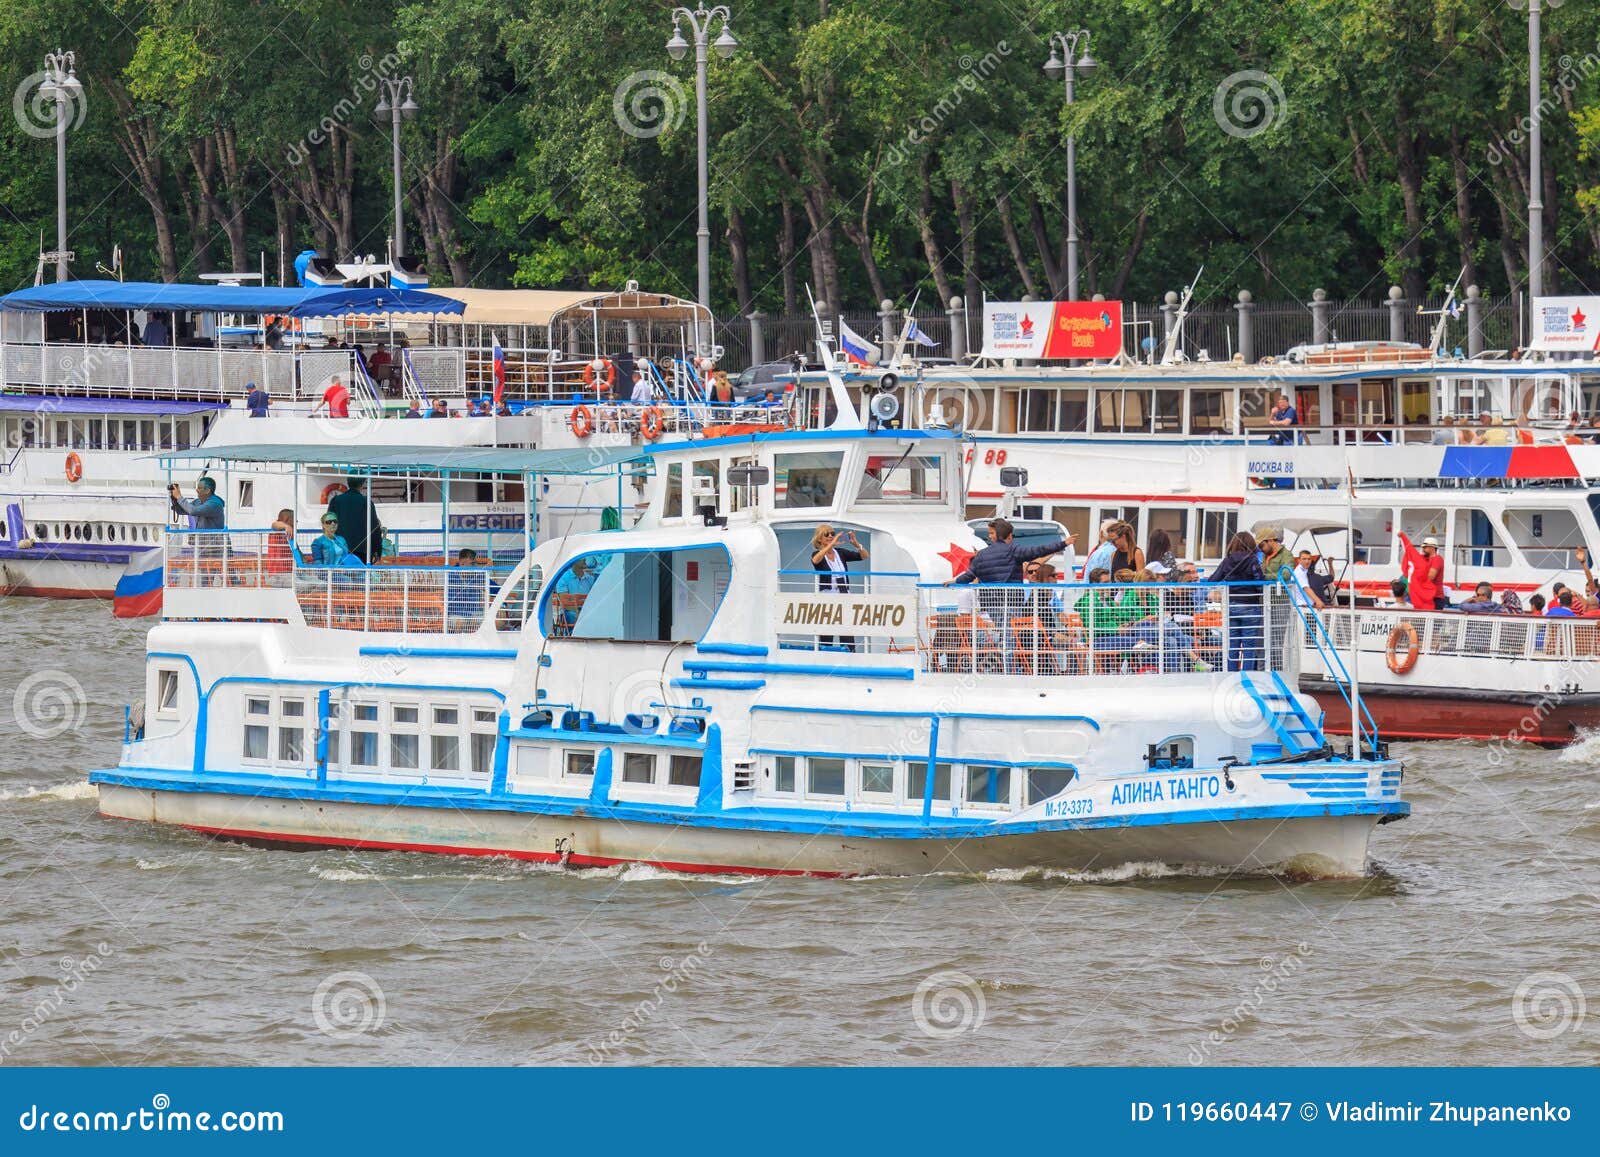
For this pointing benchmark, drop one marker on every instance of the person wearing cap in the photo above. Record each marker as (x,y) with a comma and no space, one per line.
(1424,572)
(1276,561)
(330,548)
(256,400)
(358,520)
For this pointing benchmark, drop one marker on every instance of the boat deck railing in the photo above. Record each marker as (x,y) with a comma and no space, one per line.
(1459,634)
(1043,629)
(414,593)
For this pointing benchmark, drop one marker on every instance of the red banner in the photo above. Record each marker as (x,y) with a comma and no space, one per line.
(1085,329)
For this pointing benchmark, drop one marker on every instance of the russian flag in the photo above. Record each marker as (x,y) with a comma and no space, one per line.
(855,347)
(499,374)
(138,591)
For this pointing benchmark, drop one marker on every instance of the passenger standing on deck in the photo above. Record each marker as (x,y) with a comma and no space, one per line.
(1424,571)
(358,520)
(206,510)
(256,400)
(641,389)
(1001,561)
(336,398)
(1276,561)
(1283,420)
(1242,565)
(831,561)
(1303,578)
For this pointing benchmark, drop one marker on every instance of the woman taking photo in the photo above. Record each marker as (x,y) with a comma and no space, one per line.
(831,562)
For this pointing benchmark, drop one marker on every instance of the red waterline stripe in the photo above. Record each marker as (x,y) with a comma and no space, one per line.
(31,592)
(451,850)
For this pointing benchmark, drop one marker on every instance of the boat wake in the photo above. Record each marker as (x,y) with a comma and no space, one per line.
(52,791)
(1585,749)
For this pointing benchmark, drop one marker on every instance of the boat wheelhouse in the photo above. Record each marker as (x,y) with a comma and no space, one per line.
(689,694)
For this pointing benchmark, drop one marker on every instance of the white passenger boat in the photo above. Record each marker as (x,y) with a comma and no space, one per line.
(683,694)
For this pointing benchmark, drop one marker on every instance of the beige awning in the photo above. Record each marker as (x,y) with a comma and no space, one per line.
(542,306)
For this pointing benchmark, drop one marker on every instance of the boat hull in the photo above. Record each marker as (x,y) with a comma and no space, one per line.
(49,577)
(1421,712)
(1311,845)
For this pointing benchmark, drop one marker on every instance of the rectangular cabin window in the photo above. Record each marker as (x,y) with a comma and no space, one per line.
(255,742)
(1038,410)
(673,506)
(988,786)
(783,774)
(741,496)
(1073,415)
(1216,528)
(578,764)
(877,779)
(1076,520)
(824,777)
(291,745)
(1175,521)
(247,494)
(917,781)
(705,487)
(806,480)
(899,477)
(638,767)
(166,690)
(363,748)
(1255,406)
(1047,782)
(292,708)
(444,752)
(684,771)
(1169,412)
(403,751)
(446,717)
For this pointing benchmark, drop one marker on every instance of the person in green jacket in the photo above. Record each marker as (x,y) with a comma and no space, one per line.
(1276,561)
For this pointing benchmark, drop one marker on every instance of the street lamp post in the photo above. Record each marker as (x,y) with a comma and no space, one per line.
(396,101)
(62,85)
(700,22)
(1066,61)
(1535,176)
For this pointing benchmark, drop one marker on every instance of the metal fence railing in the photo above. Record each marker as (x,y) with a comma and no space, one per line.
(226,558)
(403,600)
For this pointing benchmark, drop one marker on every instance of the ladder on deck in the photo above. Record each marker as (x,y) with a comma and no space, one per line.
(410,381)
(1282,709)
(1317,632)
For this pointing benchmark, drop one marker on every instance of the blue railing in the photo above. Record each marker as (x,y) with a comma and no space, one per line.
(1317,634)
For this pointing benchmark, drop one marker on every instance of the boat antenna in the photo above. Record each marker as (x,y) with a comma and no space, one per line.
(824,333)
(1355,625)
(1169,354)
(1451,308)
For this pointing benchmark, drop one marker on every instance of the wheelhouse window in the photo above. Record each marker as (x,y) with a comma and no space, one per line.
(638,767)
(684,771)
(903,477)
(166,691)
(639,596)
(578,764)
(807,480)
(673,506)
(824,776)
(917,781)
(519,603)
(988,786)
(1047,782)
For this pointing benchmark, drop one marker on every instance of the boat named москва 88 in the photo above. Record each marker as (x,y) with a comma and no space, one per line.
(683,694)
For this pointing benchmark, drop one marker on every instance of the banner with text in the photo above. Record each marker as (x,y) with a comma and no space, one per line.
(1052,329)
(1566,323)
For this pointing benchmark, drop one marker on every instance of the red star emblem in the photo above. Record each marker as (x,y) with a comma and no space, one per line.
(958,558)
(1578,319)
(1026,326)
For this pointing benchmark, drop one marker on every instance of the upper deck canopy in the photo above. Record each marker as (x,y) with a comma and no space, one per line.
(287,301)
(428,459)
(541,307)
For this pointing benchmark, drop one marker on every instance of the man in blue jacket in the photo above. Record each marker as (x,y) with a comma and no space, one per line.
(1001,561)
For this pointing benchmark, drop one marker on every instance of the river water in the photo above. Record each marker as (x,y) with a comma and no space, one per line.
(1475,940)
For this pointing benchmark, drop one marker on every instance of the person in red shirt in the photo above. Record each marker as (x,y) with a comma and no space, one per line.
(337,398)
(1424,571)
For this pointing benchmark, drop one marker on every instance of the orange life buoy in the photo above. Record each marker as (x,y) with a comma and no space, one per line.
(74,467)
(650,422)
(581,421)
(331,489)
(1398,664)
(589,374)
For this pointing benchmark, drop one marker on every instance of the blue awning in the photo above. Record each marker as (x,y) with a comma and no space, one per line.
(288,301)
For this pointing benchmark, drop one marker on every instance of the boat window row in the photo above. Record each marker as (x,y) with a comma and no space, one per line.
(1536,538)
(1200,533)
(662,769)
(901,475)
(45,430)
(108,532)
(904,783)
